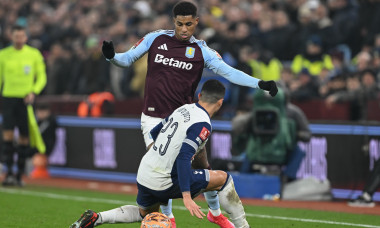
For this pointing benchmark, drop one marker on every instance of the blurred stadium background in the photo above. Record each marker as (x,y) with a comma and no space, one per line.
(324,53)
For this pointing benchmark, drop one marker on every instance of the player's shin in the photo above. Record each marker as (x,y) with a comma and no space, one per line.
(123,214)
(213,202)
(231,203)
(167,209)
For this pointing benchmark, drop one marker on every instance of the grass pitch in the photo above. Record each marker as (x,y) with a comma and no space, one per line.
(52,207)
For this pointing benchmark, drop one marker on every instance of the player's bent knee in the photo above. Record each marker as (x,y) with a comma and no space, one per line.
(217,179)
(144,212)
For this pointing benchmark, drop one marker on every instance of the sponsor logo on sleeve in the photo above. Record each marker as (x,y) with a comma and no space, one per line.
(199,141)
(217,54)
(205,133)
(138,42)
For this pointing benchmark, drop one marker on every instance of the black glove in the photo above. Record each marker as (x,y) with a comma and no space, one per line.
(269,86)
(108,49)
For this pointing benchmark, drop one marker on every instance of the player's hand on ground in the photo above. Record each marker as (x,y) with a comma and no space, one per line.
(193,208)
(108,49)
(269,86)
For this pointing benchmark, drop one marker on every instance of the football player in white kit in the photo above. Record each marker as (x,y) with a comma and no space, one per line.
(165,171)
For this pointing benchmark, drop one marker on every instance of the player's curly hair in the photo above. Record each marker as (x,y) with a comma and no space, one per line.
(184,8)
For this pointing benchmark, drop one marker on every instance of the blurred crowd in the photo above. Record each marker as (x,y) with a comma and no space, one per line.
(316,49)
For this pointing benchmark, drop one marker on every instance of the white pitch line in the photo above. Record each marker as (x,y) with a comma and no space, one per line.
(121,202)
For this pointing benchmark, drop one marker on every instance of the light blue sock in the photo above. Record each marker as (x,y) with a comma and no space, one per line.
(167,210)
(212,200)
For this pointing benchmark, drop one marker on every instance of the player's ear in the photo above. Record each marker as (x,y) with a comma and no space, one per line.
(196,20)
(220,102)
(199,96)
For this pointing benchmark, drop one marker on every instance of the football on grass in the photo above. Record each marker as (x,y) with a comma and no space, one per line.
(156,220)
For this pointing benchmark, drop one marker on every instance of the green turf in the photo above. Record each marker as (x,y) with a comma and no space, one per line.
(51,207)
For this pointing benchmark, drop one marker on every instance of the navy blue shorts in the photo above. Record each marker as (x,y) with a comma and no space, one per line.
(147,198)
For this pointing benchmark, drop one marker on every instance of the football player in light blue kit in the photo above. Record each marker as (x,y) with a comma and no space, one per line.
(165,170)
(176,60)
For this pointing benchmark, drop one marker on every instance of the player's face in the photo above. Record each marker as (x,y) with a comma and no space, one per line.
(19,38)
(185,26)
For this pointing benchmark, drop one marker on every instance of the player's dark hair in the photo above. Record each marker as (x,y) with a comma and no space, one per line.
(18,28)
(212,91)
(184,8)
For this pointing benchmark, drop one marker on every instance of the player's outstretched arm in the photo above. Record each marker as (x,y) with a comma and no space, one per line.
(214,62)
(126,59)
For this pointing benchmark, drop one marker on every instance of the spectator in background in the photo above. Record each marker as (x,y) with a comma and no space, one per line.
(305,87)
(370,91)
(22,75)
(241,37)
(58,70)
(345,22)
(334,84)
(287,78)
(323,82)
(339,64)
(75,82)
(239,93)
(369,19)
(351,94)
(376,64)
(362,61)
(325,27)
(283,28)
(266,67)
(95,70)
(313,59)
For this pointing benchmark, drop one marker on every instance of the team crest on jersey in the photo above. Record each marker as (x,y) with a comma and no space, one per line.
(204,134)
(190,52)
(27,69)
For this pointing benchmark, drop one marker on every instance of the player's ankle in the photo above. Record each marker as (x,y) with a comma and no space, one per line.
(170,216)
(216,212)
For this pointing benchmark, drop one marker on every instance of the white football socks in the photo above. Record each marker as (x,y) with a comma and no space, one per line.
(231,203)
(124,214)
(167,209)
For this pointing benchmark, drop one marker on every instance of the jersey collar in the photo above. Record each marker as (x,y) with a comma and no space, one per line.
(200,106)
